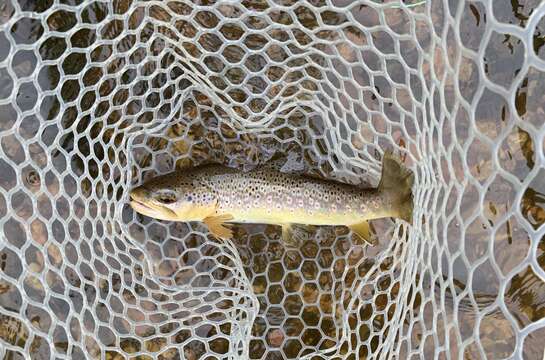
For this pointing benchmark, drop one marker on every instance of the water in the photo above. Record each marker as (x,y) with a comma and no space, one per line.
(300,304)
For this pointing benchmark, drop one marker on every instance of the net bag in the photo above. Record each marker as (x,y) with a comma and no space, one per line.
(98,96)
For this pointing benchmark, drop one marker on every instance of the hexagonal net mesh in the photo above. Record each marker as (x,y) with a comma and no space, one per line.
(97,96)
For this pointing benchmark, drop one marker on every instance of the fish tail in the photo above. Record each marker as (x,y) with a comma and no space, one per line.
(396,183)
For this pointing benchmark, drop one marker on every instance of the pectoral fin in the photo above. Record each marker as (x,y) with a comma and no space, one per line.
(363,230)
(294,235)
(216,225)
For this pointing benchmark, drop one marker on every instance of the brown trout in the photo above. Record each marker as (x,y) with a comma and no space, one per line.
(216,195)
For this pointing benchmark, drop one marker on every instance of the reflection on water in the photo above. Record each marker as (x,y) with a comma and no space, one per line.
(300,292)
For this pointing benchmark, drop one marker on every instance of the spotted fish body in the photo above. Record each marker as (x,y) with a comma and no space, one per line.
(216,194)
(270,197)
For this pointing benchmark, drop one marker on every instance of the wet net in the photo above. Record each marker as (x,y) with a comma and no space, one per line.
(97,96)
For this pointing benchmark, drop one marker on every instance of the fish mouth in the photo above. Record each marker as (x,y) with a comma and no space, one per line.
(161,213)
(143,209)
(140,205)
(136,201)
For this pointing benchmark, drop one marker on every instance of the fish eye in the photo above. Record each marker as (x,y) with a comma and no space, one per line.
(166,197)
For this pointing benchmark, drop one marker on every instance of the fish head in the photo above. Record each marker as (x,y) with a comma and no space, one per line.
(173,197)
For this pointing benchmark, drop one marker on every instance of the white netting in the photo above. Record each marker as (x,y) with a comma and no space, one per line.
(96,96)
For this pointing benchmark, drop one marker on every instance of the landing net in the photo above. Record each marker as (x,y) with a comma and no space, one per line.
(97,96)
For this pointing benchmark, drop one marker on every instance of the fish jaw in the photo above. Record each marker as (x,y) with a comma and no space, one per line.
(141,203)
(161,213)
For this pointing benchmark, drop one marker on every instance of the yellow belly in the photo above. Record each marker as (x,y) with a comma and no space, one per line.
(280,216)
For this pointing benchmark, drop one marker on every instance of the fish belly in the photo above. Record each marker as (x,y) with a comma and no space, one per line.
(289,216)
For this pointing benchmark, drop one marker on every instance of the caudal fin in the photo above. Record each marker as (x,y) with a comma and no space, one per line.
(397,182)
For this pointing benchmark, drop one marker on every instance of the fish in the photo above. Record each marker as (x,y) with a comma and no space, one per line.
(220,196)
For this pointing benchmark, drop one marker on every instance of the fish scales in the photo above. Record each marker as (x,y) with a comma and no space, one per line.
(217,194)
(271,197)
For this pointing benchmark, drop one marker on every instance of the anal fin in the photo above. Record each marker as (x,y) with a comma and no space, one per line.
(216,225)
(294,235)
(364,231)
